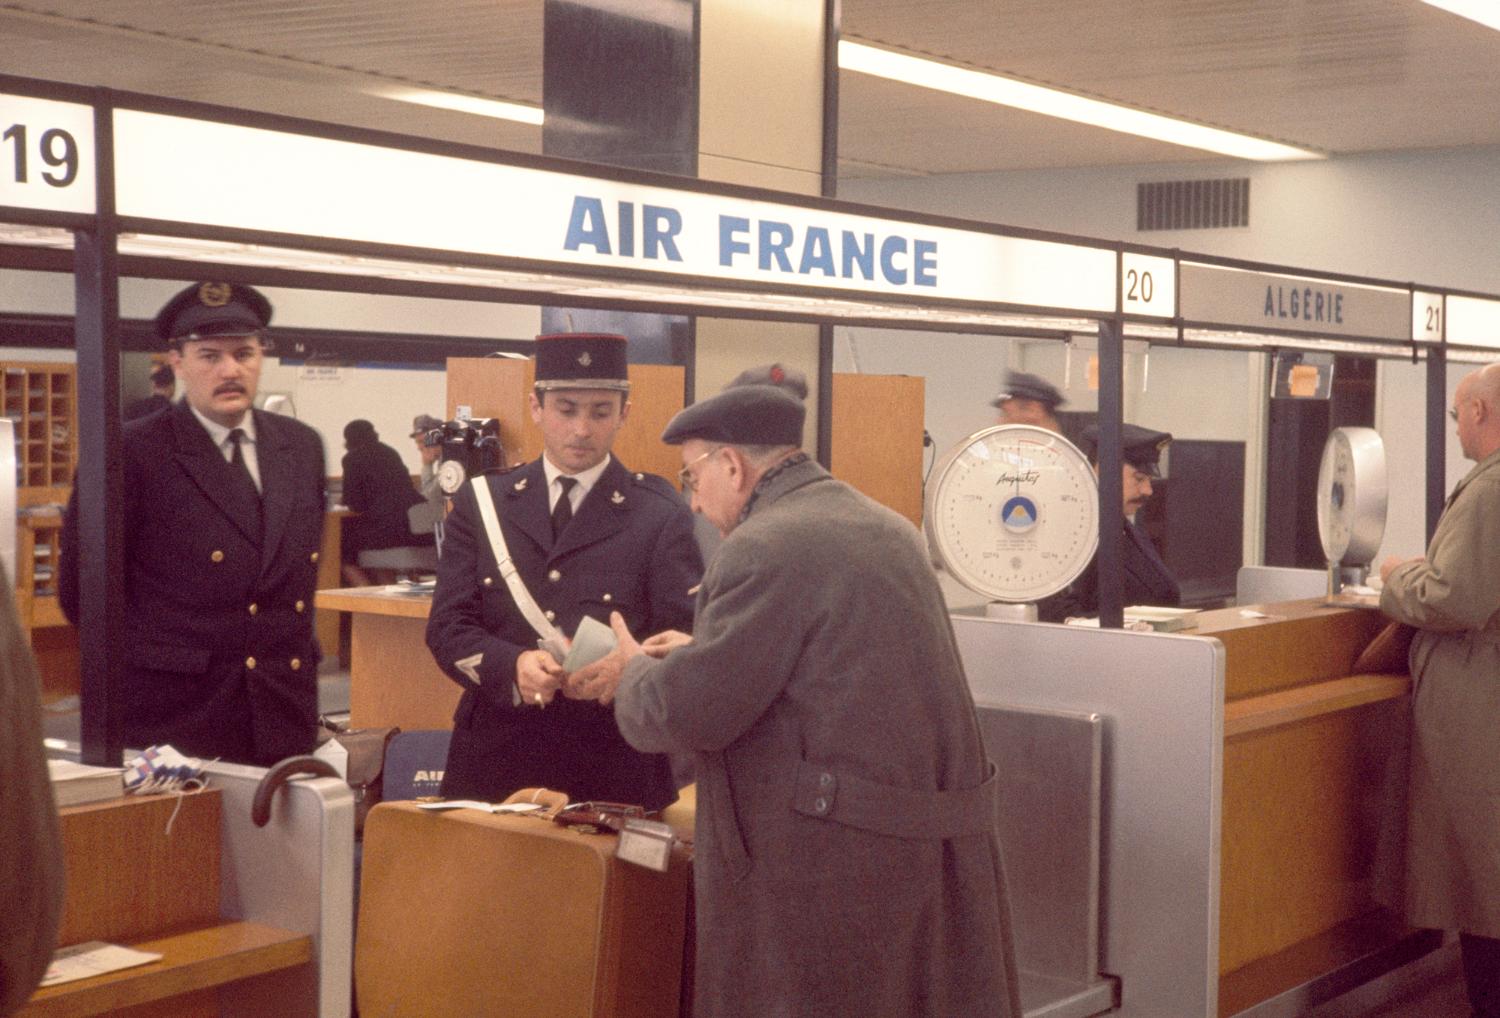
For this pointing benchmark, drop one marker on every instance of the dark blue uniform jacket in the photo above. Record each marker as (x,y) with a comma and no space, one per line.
(219,656)
(629,548)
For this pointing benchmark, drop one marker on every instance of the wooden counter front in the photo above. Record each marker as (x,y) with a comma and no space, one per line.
(1312,753)
(393,679)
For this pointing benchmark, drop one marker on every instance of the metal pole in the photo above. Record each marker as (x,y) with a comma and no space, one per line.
(100,480)
(1437,435)
(832,15)
(1109,562)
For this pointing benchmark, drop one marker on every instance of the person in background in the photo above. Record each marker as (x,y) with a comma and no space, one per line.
(1452,597)
(427,433)
(1028,399)
(1147,579)
(378,488)
(31,853)
(222,518)
(847,860)
(163,385)
(586,536)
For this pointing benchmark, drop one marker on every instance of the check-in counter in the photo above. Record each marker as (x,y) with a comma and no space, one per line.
(1250,775)
(393,679)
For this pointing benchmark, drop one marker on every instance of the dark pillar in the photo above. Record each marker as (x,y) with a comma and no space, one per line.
(100,483)
(1437,436)
(1110,557)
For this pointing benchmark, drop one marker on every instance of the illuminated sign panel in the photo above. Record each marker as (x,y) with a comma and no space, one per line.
(1231,297)
(1473,321)
(46,155)
(191,171)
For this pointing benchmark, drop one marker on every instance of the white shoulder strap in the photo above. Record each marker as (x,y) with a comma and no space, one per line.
(524,601)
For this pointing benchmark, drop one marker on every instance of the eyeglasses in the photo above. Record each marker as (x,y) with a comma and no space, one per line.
(1453,413)
(685,477)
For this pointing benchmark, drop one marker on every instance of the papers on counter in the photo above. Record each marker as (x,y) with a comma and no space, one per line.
(485,807)
(93,958)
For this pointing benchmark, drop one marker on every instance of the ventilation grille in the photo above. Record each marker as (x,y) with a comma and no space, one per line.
(1193,204)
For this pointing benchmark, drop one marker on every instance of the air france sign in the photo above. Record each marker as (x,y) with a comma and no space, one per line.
(182,170)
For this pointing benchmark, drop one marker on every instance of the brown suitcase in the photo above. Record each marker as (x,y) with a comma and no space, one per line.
(475,914)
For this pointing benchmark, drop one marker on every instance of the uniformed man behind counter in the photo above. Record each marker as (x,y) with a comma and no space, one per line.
(1028,399)
(1147,580)
(587,536)
(222,519)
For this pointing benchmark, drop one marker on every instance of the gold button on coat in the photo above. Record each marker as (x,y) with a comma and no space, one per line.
(313,557)
(249,662)
(296,663)
(489,581)
(554,576)
(217,556)
(551,615)
(301,606)
(608,597)
(254,608)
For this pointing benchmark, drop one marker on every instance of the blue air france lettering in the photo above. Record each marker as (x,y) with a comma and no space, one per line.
(765,245)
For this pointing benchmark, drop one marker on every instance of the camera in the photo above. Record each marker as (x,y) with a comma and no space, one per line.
(470,447)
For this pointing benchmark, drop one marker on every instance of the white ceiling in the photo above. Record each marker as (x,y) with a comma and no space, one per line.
(1336,76)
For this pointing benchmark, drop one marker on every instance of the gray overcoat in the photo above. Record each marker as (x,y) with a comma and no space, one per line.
(1453,823)
(846,858)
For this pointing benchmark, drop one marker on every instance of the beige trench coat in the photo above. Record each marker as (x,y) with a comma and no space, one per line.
(1453,820)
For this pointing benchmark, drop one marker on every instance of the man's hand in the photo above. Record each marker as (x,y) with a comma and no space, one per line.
(662,644)
(1393,562)
(538,677)
(598,680)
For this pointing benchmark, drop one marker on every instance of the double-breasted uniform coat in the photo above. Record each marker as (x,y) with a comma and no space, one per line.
(220,658)
(846,860)
(629,548)
(1147,580)
(1453,820)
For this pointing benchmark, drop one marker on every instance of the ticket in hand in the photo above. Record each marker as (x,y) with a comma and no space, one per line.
(593,640)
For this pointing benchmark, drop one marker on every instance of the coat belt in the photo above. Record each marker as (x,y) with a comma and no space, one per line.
(826,794)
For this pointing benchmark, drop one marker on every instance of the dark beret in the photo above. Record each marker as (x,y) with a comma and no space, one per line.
(1021,385)
(1140,447)
(741,415)
(582,360)
(790,379)
(206,310)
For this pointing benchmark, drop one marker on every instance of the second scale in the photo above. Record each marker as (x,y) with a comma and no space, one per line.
(1012,513)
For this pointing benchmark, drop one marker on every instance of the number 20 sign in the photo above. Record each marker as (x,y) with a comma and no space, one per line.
(46,155)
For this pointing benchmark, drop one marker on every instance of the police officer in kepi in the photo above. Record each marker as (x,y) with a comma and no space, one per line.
(1028,399)
(587,536)
(1147,579)
(222,519)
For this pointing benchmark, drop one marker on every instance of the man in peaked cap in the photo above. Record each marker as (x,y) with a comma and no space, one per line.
(587,536)
(222,521)
(1028,399)
(834,738)
(1147,578)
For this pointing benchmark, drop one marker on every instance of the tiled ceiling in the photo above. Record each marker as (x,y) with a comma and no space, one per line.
(1337,76)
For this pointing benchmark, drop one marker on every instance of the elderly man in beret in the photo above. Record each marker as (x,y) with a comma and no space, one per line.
(1028,399)
(1147,580)
(222,521)
(846,860)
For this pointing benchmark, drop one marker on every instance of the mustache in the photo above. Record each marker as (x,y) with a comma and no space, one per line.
(229,387)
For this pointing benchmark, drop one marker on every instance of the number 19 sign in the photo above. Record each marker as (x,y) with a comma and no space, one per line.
(46,155)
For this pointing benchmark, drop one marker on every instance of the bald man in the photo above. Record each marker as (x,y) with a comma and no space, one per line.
(1452,596)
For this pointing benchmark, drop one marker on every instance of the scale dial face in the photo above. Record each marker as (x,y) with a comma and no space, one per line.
(1352,490)
(451,476)
(1013,512)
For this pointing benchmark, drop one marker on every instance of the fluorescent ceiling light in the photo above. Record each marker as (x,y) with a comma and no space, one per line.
(1485,12)
(884,63)
(462,103)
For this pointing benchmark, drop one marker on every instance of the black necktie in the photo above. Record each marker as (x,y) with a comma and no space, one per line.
(563,511)
(241,468)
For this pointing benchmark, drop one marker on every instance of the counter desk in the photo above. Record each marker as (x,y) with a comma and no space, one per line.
(393,679)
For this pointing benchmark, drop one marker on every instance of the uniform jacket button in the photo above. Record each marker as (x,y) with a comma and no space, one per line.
(607,598)
(217,556)
(489,581)
(301,606)
(820,805)
(825,780)
(249,662)
(554,576)
(312,557)
(551,615)
(296,663)
(254,608)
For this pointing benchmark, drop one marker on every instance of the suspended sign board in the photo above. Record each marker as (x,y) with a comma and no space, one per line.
(1473,321)
(1231,297)
(1426,317)
(46,155)
(182,170)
